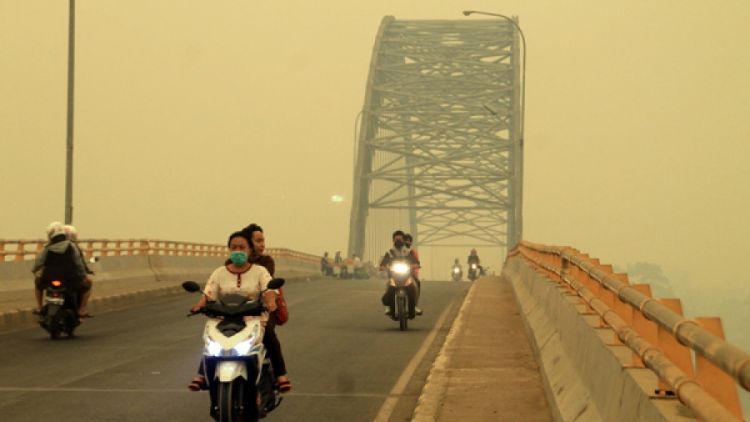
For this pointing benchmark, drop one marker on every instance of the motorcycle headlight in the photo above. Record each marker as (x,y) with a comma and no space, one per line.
(455,270)
(213,348)
(473,266)
(244,347)
(400,268)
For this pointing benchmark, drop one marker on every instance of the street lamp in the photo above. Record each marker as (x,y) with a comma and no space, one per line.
(522,116)
(69,131)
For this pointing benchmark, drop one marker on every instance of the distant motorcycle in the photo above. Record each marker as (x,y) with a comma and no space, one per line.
(59,312)
(456,273)
(240,377)
(475,270)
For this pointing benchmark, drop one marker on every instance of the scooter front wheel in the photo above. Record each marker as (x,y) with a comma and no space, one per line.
(403,316)
(226,402)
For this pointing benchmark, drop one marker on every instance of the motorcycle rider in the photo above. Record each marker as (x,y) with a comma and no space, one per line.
(60,259)
(474,259)
(457,264)
(240,276)
(399,251)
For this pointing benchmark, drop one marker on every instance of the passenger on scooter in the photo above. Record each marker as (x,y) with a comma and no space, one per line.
(399,251)
(60,260)
(270,339)
(409,240)
(72,234)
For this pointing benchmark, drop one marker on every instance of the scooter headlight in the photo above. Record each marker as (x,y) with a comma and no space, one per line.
(455,270)
(473,266)
(213,348)
(244,347)
(400,268)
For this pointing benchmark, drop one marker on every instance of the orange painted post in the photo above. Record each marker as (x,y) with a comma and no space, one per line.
(118,248)
(647,329)
(2,251)
(143,250)
(677,353)
(715,381)
(20,250)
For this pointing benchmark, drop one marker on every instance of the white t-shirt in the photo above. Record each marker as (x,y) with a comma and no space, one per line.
(249,284)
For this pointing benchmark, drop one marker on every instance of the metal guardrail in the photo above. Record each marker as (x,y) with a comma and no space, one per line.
(655,330)
(22,250)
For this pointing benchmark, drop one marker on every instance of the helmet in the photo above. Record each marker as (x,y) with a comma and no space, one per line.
(473,251)
(71,232)
(55,228)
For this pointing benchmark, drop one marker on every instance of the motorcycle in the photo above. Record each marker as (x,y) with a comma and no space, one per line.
(240,378)
(474,271)
(401,279)
(59,312)
(457,273)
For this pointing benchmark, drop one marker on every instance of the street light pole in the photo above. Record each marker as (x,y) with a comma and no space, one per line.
(69,134)
(522,118)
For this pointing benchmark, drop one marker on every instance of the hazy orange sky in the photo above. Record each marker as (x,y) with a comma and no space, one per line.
(194,118)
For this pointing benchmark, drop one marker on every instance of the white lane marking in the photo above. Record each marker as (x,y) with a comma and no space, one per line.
(174,390)
(386,410)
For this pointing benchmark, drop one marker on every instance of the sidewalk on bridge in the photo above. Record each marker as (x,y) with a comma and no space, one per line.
(486,369)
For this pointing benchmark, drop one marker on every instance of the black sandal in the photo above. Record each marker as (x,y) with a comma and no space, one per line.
(284,386)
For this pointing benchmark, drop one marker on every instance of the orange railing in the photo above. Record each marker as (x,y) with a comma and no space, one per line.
(690,356)
(21,250)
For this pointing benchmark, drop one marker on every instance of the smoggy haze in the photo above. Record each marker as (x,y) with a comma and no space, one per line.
(194,118)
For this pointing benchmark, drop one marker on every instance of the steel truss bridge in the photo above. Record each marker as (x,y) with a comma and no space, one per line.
(438,151)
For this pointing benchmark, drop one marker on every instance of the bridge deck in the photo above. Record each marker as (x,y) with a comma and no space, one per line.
(488,370)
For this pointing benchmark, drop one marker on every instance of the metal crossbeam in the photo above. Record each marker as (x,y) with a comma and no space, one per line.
(438,149)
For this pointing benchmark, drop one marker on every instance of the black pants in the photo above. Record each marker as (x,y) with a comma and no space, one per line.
(273,350)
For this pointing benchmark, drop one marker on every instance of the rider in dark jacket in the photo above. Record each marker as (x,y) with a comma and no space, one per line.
(60,260)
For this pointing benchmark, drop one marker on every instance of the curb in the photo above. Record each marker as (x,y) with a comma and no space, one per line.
(434,390)
(16,319)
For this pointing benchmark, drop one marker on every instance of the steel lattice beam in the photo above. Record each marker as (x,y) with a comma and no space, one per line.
(439,140)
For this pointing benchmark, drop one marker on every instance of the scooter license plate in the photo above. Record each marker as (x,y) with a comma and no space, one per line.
(55,300)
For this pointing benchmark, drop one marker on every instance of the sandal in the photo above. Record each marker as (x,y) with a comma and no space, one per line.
(284,386)
(198,383)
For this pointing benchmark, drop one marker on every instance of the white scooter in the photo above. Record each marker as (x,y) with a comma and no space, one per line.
(240,378)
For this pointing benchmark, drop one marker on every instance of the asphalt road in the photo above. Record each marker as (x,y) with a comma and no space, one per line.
(346,360)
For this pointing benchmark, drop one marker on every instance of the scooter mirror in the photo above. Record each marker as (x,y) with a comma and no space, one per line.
(191,286)
(276,283)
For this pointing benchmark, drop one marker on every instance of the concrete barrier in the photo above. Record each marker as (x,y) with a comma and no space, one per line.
(587,374)
(124,281)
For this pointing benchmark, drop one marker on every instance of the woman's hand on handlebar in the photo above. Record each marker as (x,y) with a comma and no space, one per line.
(196,308)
